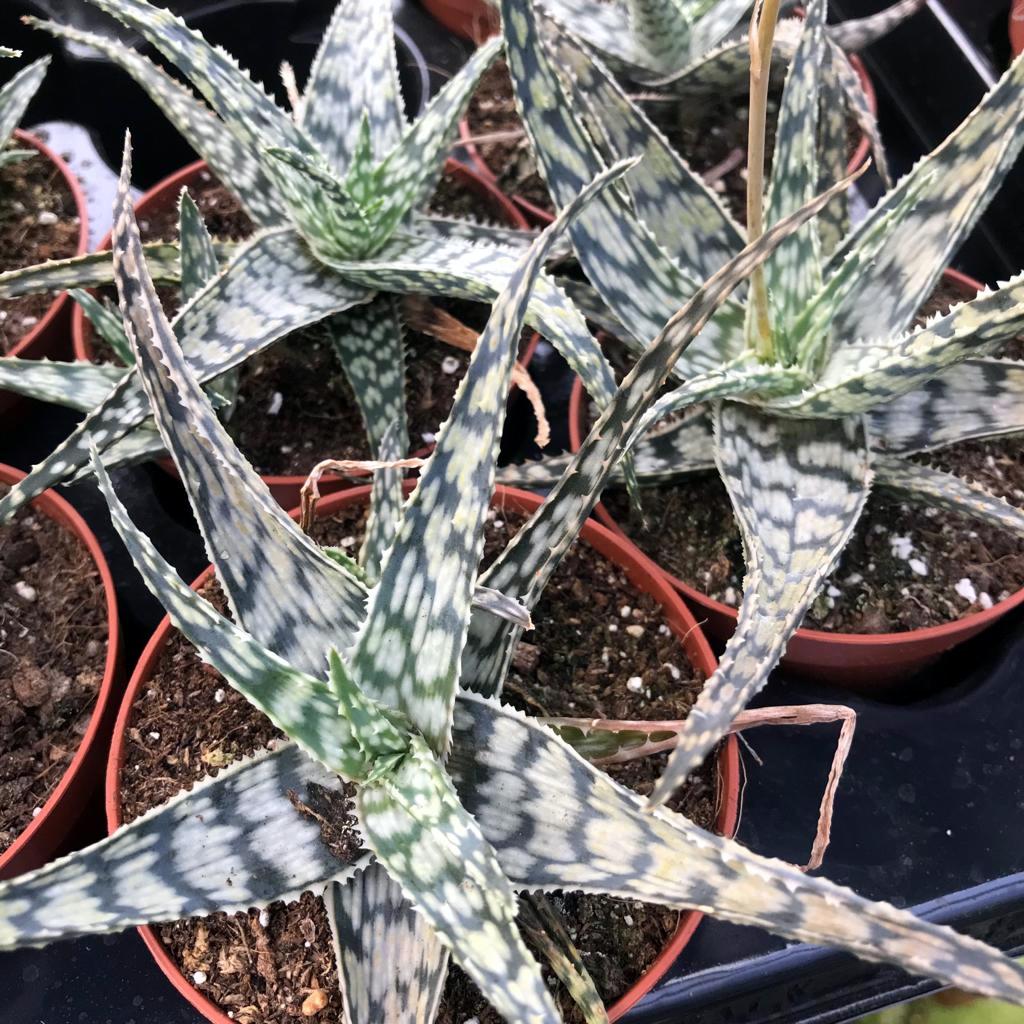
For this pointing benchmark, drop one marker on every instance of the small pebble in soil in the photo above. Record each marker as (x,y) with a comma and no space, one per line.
(450,365)
(625,611)
(730,595)
(199,977)
(918,566)
(218,695)
(902,547)
(264,918)
(984,600)
(635,684)
(965,588)
(25,591)
(627,920)
(635,631)
(154,735)
(36,811)
(428,437)
(47,217)
(276,401)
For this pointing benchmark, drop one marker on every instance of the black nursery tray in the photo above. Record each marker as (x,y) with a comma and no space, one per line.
(928,809)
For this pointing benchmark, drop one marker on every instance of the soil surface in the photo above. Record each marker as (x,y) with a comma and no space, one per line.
(295,406)
(187,722)
(53,647)
(38,222)
(906,567)
(500,138)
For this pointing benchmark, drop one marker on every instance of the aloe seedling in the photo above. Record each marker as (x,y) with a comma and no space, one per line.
(459,801)
(824,390)
(336,188)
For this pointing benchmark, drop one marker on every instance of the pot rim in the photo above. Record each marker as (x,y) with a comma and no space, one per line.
(60,511)
(946,631)
(680,619)
(60,303)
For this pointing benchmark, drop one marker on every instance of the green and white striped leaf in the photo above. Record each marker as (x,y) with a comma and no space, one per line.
(661,31)
(858,104)
(948,492)
(391,964)
(964,173)
(721,18)
(793,274)
(231,843)
(663,454)
(16,95)
(235,162)
(455,269)
(861,376)
(413,822)
(272,287)
(406,177)
(540,923)
(301,705)
(93,270)
(834,221)
(607,27)
(979,398)
(687,218)
(81,386)
(526,564)
(354,74)
(246,110)
(198,256)
(409,651)
(857,33)
(797,490)
(560,823)
(106,323)
(285,591)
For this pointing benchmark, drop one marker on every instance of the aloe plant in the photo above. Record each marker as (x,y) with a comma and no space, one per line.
(15,96)
(336,188)
(460,801)
(818,385)
(693,49)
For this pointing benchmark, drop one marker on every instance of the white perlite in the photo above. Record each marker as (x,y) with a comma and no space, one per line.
(218,695)
(965,588)
(264,918)
(902,547)
(918,566)
(635,684)
(450,365)
(276,401)
(199,977)
(25,591)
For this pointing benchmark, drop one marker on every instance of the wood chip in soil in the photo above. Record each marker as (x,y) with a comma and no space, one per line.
(38,222)
(53,647)
(908,566)
(186,722)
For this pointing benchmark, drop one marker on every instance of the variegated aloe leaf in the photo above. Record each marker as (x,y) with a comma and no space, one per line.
(949,492)
(93,270)
(834,221)
(16,95)
(662,454)
(232,843)
(979,398)
(198,255)
(541,924)
(641,283)
(409,651)
(272,287)
(526,564)
(280,585)
(793,274)
(563,824)
(80,386)
(687,218)
(964,172)
(407,175)
(454,268)
(797,490)
(385,502)
(661,31)
(857,33)
(354,75)
(860,376)
(107,325)
(391,964)
(244,108)
(233,160)
(413,822)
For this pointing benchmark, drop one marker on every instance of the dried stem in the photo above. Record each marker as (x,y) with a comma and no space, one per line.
(423,316)
(310,493)
(762,39)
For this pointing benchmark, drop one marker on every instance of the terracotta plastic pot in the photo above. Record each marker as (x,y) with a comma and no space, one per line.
(641,572)
(1017,27)
(43,836)
(539,217)
(49,338)
(474,20)
(866,663)
(165,194)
